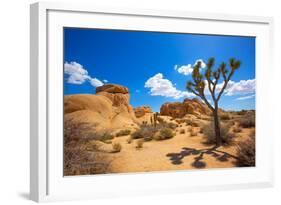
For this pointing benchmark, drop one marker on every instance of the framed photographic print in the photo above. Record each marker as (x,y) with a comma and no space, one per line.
(147,101)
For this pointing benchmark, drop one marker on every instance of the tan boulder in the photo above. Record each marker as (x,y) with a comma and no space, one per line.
(188,106)
(109,109)
(142,110)
(112,88)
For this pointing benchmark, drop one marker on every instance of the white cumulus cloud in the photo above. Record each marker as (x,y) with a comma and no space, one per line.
(78,75)
(184,69)
(245,97)
(242,87)
(96,82)
(159,86)
(187,69)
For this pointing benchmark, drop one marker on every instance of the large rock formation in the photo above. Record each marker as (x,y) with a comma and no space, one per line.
(108,109)
(142,110)
(188,106)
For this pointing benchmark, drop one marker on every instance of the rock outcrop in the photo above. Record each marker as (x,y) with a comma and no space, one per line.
(119,95)
(142,110)
(109,108)
(188,106)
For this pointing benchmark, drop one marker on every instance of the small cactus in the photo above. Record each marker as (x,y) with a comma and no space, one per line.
(154,119)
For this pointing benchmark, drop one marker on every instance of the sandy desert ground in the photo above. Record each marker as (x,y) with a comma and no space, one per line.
(100,136)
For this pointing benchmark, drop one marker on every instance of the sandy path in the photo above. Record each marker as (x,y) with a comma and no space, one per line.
(153,155)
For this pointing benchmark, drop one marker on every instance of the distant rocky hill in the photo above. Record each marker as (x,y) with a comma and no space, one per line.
(188,106)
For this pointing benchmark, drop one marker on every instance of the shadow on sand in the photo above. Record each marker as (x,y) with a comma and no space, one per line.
(176,158)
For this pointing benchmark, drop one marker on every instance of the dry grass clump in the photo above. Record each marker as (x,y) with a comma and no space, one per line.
(209,132)
(116,147)
(192,132)
(192,123)
(242,112)
(81,162)
(104,136)
(123,133)
(81,155)
(145,131)
(163,134)
(74,132)
(168,125)
(248,121)
(237,130)
(160,119)
(159,131)
(139,143)
(129,140)
(246,152)
(225,116)
(179,121)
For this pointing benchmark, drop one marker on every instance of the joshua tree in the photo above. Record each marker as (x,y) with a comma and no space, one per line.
(210,79)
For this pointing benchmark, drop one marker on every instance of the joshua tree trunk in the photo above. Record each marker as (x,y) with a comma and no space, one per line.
(217,126)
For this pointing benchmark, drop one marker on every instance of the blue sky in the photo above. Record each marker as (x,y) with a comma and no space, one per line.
(154,66)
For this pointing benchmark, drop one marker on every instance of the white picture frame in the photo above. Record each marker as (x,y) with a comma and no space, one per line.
(46,178)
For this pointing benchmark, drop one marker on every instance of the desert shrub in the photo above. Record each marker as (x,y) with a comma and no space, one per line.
(139,143)
(160,119)
(79,161)
(165,133)
(242,112)
(246,152)
(195,124)
(91,145)
(74,132)
(192,123)
(225,116)
(192,132)
(145,131)
(179,121)
(129,140)
(237,129)
(248,121)
(182,131)
(123,133)
(188,122)
(171,125)
(104,136)
(116,147)
(209,132)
